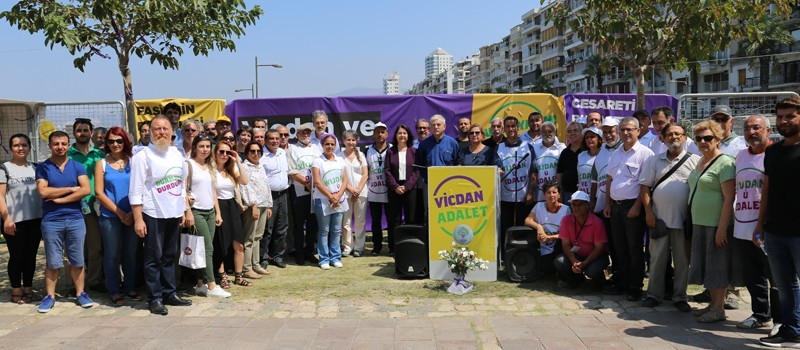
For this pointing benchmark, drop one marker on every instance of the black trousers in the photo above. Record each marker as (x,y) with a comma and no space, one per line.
(376,212)
(758,280)
(22,249)
(273,245)
(628,240)
(160,248)
(305,225)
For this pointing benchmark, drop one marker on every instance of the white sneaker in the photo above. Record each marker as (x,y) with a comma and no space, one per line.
(218,292)
(775,328)
(201,290)
(338,264)
(325,266)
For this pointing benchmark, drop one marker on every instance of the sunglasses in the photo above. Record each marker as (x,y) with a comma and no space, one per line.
(707,138)
(223,152)
(255,151)
(190,130)
(475,132)
(117,141)
(229,138)
(285,135)
(721,119)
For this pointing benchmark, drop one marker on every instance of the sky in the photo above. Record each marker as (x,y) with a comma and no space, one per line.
(325,47)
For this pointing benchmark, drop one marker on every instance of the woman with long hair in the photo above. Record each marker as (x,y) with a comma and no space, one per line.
(230,233)
(401,180)
(120,244)
(205,215)
(353,237)
(330,182)
(21,210)
(257,196)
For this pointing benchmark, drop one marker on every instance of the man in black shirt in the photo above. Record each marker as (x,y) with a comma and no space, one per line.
(497,136)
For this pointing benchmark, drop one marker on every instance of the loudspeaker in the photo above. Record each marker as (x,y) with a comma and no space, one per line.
(522,254)
(411,251)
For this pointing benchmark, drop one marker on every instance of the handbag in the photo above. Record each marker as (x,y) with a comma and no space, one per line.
(661,228)
(193,250)
(687,223)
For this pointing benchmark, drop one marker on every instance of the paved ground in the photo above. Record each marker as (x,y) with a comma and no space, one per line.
(594,322)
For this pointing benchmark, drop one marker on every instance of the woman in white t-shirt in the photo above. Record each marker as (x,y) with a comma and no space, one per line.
(330,184)
(21,210)
(202,198)
(353,237)
(545,218)
(592,139)
(230,233)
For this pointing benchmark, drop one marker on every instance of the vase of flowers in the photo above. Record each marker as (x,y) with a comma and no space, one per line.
(460,260)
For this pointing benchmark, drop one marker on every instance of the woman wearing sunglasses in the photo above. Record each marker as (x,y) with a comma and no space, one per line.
(120,243)
(257,196)
(711,196)
(230,233)
(477,153)
(227,137)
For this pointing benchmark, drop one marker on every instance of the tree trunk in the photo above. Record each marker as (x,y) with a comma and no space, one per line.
(599,78)
(763,67)
(128,89)
(694,75)
(638,76)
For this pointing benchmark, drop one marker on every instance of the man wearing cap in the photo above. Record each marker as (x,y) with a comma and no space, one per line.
(377,192)
(276,164)
(624,208)
(610,129)
(645,136)
(84,153)
(664,194)
(300,157)
(534,133)
(660,117)
(439,150)
(731,143)
(518,178)
(223,124)
(583,242)
(497,136)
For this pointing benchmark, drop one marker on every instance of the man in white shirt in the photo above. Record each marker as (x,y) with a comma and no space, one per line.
(547,151)
(731,143)
(144,137)
(320,121)
(158,202)
(645,135)
(276,164)
(518,178)
(300,157)
(534,133)
(624,208)
(610,128)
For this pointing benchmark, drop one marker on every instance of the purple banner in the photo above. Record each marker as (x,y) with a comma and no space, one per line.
(577,106)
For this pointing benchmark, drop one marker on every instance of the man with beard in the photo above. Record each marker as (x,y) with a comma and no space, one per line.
(610,128)
(518,178)
(84,153)
(463,132)
(223,124)
(660,117)
(547,150)
(664,193)
(378,192)
(423,128)
(144,137)
(99,138)
(754,263)
(275,162)
(158,202)
(210,128)
(778,222)
(534,133)
(497,136)
(624,208)
(300,157)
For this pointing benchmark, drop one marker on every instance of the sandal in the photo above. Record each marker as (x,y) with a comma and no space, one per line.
(239,280)
(224,282)
(117,300)
(700,312)
(31,297)
(712,316)
(18,299)
(134,296)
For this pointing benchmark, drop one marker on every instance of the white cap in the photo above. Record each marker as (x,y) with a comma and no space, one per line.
(610,121)
(306,126)
(380,125)
(579,196)
(593,129)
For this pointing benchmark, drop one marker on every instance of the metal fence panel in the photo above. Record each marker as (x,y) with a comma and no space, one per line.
(15,118)
(62,115)
(697,107)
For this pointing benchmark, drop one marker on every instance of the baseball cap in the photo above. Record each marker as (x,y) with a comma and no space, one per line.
(593,129)
(306,126)
(579,196)
(223,118)
(380,125)
(722,109)
(610,121)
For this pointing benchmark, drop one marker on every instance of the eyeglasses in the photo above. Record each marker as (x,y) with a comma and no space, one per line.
(707,138)
(229,138)
(117,141)
(222,152)
(192,131)
(624,130)
(753,128)
(475,132)
(285,135)
(255,151)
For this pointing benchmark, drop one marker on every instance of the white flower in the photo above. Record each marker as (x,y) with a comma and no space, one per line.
(454,244)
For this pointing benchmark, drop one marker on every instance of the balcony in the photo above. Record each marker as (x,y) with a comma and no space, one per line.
(714,86)
(774,79)
(528,26)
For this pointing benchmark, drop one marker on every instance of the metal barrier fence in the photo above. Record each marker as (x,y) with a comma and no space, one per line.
(62,115)
(698,107)
(15,118)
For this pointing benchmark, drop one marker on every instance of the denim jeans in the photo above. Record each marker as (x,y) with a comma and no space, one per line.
(329,235)
(784,261)
(120,245)
(63,236)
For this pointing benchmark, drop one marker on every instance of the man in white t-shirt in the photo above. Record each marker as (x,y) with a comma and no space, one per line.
(158,201)
(300,157)
(753,259)
(378,195)
(547,151)
(518,176)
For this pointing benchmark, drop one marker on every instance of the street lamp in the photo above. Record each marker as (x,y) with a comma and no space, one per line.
(274,65)
(251,89)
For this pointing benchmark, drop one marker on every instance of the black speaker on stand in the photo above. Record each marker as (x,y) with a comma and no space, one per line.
(411,251)
(522,254)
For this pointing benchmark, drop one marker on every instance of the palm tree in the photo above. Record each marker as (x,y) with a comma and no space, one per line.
(542,85)
(596,66)
(764,44)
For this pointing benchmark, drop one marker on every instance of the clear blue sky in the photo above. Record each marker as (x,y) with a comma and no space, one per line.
(325,47)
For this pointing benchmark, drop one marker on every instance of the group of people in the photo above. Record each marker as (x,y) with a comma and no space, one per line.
(609,188)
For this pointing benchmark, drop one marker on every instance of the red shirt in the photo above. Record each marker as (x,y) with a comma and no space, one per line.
(593,231)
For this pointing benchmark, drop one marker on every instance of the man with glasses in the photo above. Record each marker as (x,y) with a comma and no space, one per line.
(320,120)
(276,164)
(439,150)
(624,208)
(189,130)
(534,133)
(284,133)
(518,178)
(210,128)
(610,128)
(300,157)
(731,143)
(284,144)
(497,137)
(660,117)
(664,194)
(423,129)
(223,124)
(377,191)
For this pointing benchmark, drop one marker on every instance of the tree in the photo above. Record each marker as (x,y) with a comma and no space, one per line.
(542,85)
(641,34)
(596,66)
(158,30)
(763,39)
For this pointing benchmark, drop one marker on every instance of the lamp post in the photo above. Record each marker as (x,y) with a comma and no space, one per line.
(274,65)
(251,89)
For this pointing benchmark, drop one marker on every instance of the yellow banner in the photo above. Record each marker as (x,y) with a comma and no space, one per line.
(463,209)
(486,107)
(201,110)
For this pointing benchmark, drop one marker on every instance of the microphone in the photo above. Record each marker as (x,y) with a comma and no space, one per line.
(517,163)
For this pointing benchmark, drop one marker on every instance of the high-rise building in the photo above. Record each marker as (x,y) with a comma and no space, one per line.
(391,84)
(438,61)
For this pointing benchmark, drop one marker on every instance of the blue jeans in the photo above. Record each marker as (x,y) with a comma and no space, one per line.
(120,245)
(329,235)
(784,262)
(63,236)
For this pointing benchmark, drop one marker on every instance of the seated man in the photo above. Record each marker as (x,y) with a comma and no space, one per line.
(583,242)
